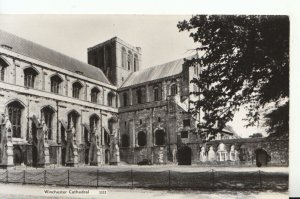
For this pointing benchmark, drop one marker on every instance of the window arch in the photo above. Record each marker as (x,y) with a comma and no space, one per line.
(76,89)
(124,57)
(73,117)
(125,140)
(94,94)
(135,63)
(111,99)
(125,98)
(55,83)
(157,93)
(139,95)
(160,137)
(129,60)
(3,66)
(94,121)
(174,89)
(15,110)
(29,77)
(142,138)
(47,115)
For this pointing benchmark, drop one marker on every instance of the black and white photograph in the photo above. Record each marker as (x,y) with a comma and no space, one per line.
(137,105)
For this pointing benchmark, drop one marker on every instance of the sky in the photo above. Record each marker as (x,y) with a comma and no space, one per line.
(157,35)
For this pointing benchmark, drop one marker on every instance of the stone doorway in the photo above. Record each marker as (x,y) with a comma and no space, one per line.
(261,157)
(184,155)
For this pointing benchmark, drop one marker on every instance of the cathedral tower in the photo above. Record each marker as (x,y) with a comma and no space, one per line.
(116,59)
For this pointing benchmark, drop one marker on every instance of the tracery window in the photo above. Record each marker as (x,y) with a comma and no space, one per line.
(174,89)
(55,84)
(94,94)
(29,77)
(15,115)
(47,114)
(76,90)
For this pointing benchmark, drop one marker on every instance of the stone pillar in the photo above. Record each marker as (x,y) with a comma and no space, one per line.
(71,149)
(7,158)
(46,146)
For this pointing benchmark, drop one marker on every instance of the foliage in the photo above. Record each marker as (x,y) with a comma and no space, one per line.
(245,62)
(256,135)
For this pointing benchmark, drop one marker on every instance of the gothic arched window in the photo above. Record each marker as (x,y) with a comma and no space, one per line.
(3,66)
(29,77)
(76,89)
(124,57)
(94,120)
(94,94)
(174,89)
(47,114)
(15,115)
(139,96)
(73,119)
(125,98)
(129,60)
(135,63)
(55,84)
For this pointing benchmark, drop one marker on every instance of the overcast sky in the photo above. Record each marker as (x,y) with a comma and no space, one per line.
(158,36)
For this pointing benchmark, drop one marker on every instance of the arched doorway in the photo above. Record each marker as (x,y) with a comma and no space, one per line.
(184,155)
(107,156)
(18,158)
(261,157)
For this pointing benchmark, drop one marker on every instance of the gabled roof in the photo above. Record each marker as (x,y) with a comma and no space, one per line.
(155,72)
(41,53)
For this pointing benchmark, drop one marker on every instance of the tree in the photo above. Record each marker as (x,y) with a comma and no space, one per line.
(256,135)
(245,62)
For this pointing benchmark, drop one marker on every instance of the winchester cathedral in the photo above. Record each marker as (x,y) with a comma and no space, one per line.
(56,110)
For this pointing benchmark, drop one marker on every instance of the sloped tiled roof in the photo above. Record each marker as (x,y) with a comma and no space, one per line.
(41,53)
(155,72)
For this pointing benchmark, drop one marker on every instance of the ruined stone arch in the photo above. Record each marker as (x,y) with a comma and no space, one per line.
(262,157)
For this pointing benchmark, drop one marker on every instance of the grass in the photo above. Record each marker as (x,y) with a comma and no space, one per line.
(143,178)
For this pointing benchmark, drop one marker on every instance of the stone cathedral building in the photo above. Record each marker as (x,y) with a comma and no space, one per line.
(57,110)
